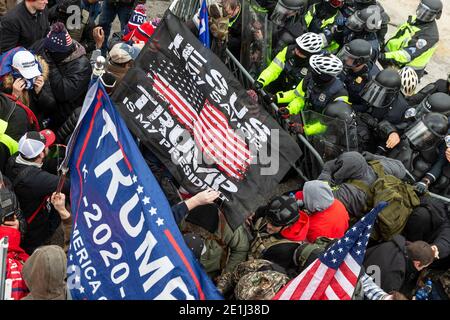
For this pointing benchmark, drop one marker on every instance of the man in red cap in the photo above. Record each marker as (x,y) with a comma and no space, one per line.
(33,186)
(24,25)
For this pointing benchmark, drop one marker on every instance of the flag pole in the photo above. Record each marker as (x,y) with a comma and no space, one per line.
(97,72)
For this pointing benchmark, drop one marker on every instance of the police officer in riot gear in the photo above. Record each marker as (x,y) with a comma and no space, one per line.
(382,116)
(441,85)
(337,133)
(358,68)
(437,102)
(325,18)
(363,24)
(416,40)
(421,149)
(351,6)
(288,19)
(319,88)
(290,65)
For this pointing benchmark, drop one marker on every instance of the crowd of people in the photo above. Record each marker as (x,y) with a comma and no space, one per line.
(331,57)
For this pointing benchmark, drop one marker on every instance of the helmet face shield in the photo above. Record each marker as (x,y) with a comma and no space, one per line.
(420,137)
(377,95)
(349,60)
(354,23)
(425,13)
(281,14)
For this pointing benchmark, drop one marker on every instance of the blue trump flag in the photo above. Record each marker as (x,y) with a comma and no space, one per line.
(203,27)
(125,243)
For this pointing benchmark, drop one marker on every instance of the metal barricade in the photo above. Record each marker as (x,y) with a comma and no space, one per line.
(3,256)
(185,9)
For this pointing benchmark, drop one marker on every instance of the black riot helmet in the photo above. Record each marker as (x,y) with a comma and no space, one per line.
(365,20)
(355,53)
(383,90)
(429,10)
(283,211)
(427,132)
(437,102)
(340,110)
(286,9)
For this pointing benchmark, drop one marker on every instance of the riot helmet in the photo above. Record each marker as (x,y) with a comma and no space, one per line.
(355,53)
(437,102)
(283,211)
(429,10)
(428,131)
(381,91)
(365,20)
(340,110)
(286,9)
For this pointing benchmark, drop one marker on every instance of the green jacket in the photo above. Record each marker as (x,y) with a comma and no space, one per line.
(414,44)
(12,144)
(330,44)
(225,249)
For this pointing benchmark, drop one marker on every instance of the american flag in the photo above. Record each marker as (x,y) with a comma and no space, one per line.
(333,276)
(209,126)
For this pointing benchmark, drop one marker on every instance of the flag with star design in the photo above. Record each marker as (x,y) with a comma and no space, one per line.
(334,275)
(125,243)
(189,109)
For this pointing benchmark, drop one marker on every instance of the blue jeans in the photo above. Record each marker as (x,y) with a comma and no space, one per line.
(107,16)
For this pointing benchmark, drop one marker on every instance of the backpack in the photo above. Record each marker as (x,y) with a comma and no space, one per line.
(307,252)
(399,195)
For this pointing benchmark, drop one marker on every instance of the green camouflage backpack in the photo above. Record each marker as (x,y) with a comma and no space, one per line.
(399,195)
(307,252)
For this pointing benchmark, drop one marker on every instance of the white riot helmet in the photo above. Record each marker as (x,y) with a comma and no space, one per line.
(310,42)
(410,80)
(326,64)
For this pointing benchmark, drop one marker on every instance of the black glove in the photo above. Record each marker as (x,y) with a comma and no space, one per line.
(269,98)
(368,119)
(284,112)
(257,86)
(382,58)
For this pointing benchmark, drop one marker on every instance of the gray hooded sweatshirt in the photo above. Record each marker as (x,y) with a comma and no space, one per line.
(44,274)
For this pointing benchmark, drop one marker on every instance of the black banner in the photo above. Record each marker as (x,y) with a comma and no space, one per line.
(184,104)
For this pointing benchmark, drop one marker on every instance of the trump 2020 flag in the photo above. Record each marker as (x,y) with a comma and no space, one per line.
(333,276)
(203,28)
(125,243)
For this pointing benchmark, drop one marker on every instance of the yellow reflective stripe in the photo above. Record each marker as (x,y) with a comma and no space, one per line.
(278,62)
(345,99)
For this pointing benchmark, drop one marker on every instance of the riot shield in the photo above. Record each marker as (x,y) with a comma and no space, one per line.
(329,136)
(256,39)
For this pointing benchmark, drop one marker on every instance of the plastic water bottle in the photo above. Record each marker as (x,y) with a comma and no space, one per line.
(424,292)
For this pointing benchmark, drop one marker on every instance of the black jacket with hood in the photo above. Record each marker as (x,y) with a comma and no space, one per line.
(31,190)
(397,270)
(21,28)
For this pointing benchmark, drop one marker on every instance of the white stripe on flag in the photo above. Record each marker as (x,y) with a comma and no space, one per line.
(315,282)
(344,283)
(330,294)
(352,265)
(287,294)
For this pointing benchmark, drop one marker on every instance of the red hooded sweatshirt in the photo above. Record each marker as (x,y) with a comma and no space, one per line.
(331,223)
(14,263)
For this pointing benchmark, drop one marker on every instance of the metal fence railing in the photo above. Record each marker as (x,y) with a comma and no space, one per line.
(3,256)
